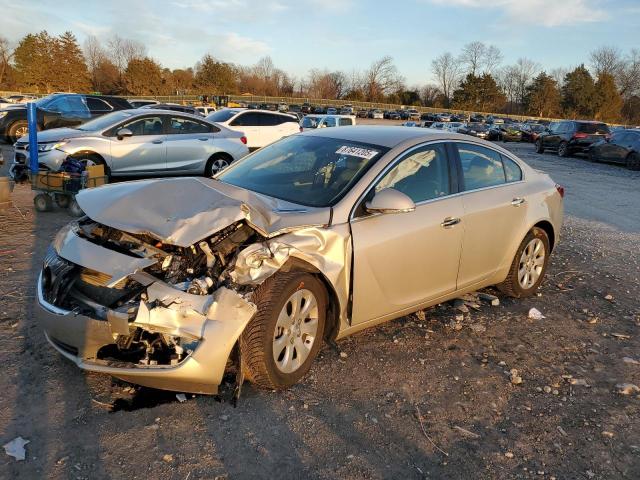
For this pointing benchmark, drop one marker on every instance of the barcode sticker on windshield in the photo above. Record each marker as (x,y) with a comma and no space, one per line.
(357,152)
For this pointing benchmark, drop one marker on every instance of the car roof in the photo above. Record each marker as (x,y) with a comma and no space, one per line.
(386,136)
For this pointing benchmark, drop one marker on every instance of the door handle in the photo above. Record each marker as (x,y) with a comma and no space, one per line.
(203,139)
(516,202)
(157,141)
(450,222)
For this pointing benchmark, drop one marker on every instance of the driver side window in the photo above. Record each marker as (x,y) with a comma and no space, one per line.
(145,126)
(422,175)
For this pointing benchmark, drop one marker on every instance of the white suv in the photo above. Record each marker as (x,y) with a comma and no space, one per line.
(261,127)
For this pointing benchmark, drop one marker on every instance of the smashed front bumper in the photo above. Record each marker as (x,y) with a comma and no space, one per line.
(79,338)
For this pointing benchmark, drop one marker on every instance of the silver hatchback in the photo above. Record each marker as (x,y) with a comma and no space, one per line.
(138,143)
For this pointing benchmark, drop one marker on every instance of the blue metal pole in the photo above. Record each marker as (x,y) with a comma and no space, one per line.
(32,117)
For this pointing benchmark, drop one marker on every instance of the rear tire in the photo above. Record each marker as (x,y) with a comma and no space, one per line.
(529,265)
(633,161)
(282,340)
(591,156)
(539,147)
(217,163)
(563,150)
(62,200)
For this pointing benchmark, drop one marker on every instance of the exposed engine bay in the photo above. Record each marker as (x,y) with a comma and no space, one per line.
(198,270)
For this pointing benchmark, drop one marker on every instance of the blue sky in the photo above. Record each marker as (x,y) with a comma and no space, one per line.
(340,34)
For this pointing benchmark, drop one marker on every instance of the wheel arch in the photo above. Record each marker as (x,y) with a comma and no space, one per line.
(332,321)
(219,154)
(549,230)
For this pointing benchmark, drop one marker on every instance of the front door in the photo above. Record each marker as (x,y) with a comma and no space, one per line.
(144,151)
(401,260)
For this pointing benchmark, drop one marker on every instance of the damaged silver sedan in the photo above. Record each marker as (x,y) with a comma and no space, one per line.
(168,283)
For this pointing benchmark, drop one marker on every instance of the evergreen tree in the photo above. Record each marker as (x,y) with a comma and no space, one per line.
(578,94)
(543,96)
(607,99)
(70,63)
(34,62)
(479,93)
(214,76)
(143,76)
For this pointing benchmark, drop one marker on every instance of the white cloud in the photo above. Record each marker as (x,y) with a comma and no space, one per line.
(236,48)
(548,13)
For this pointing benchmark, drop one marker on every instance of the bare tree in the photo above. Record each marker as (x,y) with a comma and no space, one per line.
(525,71)
(6,53)
(558,75)
(492,59)
(381,79)
(429,94)
(446,69)
(472,57)
(95,55)
(629,76)
(123,50)
(606,60)
(508,81)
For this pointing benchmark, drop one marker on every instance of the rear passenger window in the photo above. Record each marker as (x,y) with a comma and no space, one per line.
(185,126)
(511,170)
(246,120)
(422,175)
(345,122)
(481,167)
(330,122)
(269,120)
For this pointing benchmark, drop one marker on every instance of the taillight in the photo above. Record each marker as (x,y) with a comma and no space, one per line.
(560,190)
(243,139)
(580,135)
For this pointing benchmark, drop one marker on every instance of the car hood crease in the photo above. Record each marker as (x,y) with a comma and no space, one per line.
(183,211)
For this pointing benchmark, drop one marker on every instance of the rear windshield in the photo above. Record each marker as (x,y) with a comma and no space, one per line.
(307,170)
(221,115)
(593,128)
(310,122)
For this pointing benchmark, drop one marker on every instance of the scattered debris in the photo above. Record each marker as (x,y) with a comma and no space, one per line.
(535,314)
(547,389)
(631,361)
(514,377)
(478,328)
(181,397)
(627,388)
(343,355)
(167,457)
(607,434)
(621,336)
(15,448)
(466,432)
(608,297)
(492,299)
(561,430)
(579,381)
(508,454)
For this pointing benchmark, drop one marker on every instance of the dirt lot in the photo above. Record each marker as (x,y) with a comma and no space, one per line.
(421,397)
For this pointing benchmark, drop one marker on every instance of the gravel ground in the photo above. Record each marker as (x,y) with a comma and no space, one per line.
(424,396)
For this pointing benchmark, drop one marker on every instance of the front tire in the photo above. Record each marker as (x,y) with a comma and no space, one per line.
(282,340)
(17,130)
(539,147)
(529,265)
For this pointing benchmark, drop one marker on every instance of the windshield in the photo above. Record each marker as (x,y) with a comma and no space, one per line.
(310,122)
(105,121)
(307,170)
(221,115)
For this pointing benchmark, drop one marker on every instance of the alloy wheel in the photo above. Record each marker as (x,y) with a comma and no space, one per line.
(296,331)
(531,263)
(218,165)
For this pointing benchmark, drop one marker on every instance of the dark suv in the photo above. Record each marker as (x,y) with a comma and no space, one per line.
(571,136)
(59,110)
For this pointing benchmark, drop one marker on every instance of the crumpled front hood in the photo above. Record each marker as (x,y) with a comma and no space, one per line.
(183,211)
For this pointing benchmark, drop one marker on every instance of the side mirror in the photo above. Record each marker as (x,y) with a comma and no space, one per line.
(390,200)
(124,132)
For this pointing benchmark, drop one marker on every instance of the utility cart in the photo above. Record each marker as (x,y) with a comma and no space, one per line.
(62,187)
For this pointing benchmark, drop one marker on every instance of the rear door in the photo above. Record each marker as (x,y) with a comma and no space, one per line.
(144,151)
(613,150)
(188,143)
(494,210)
(66,111)
(249,123)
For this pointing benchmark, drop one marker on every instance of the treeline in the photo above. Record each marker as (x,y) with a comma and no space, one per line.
(607,88)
